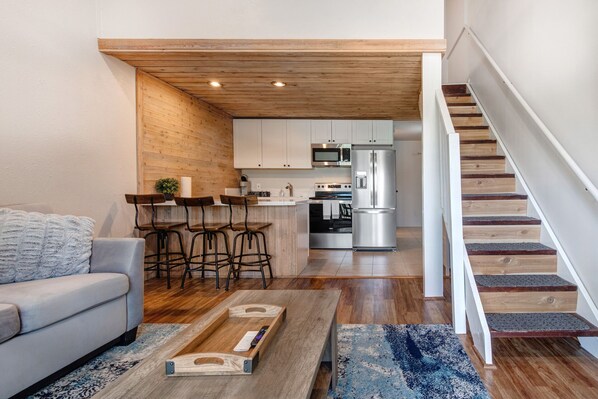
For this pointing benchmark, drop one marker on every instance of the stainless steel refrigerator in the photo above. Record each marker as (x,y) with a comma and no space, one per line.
(374,199)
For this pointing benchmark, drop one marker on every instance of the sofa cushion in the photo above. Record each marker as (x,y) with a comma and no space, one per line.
(10,323)
(37,246)
(43,302)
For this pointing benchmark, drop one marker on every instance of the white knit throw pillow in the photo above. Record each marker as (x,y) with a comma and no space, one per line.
(36,246)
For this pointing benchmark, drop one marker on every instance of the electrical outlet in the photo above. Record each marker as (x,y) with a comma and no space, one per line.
(258,187)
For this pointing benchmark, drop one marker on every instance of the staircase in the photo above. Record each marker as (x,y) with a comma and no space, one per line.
(515,274)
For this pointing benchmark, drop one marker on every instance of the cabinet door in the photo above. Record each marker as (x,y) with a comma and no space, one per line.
(341,131)
(361,132)
(247,143)
(298,144)
(383,133)
(321,131)
(274,143)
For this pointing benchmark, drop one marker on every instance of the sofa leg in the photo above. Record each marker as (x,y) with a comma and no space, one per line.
(128,337)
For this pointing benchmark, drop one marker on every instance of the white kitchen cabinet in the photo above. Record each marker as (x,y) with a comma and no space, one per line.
(298,144)
(341,131)
(361,132)
(247,143)
(274,143)
(382,132)
(321,131)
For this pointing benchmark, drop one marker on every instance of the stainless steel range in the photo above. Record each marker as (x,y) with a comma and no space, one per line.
(330,216)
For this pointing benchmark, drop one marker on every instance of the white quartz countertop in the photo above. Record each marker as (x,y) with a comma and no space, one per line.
(262,201)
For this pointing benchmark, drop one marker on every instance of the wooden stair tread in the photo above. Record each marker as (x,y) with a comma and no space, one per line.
(509,248)
(467,127)
(488,176)
(499,220)
(466,114)
(454,88)
(522,282)
(478,141)
(471,104)
(493,196)
(539,325)
(481,157)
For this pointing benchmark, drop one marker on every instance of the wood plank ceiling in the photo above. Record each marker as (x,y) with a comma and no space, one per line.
(375,79)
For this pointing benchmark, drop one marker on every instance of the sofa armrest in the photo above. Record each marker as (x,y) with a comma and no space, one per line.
(126,256)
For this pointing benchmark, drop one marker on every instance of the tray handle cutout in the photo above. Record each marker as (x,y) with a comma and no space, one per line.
(209,360)
(254,310)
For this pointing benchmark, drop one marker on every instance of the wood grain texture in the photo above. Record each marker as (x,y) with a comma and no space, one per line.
(525,368)
(531,301)
(470,166)
(494,207)
(501,233)
(288,369)
(179,135)
(478,149)
(325,78)
(483,185)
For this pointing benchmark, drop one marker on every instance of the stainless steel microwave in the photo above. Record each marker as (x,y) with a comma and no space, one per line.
(336,155)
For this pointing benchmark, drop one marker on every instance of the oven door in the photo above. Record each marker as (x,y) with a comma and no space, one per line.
(330,233)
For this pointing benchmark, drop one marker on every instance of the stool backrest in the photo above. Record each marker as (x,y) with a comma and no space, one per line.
(195,202)
(145,199)
(244,201)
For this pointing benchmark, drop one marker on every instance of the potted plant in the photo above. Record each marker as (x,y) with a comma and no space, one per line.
(167,186)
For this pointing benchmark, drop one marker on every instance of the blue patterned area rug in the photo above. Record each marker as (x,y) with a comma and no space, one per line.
(423,361)
(375,361)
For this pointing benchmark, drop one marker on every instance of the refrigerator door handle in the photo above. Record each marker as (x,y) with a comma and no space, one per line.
(375,169)
(372,188)
(374,211)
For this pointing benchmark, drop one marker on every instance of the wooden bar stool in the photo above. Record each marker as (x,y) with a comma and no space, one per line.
(162,230)
(250,231)
(209,233)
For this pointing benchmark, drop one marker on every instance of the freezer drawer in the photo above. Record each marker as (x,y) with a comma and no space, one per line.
(374,229)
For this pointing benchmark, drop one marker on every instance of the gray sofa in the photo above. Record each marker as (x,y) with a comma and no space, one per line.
(60,322)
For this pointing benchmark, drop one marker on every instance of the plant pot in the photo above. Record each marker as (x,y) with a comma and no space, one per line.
(169,197)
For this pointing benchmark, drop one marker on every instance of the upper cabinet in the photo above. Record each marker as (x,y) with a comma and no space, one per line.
(321,131)
(286,143)
(247,143)
(382,132)
(376,132)
(272,144)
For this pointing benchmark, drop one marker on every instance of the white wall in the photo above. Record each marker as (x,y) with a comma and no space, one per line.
(548,51)
(409,183)
(272,19)
(67,114)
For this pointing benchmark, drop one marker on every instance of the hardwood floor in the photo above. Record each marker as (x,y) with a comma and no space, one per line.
(525,368)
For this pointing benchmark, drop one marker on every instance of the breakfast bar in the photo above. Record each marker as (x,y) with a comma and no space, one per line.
(287,237)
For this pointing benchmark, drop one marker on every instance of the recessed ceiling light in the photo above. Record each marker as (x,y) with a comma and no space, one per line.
(277,83)
(213,83)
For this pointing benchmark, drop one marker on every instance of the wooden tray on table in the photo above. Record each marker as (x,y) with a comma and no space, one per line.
(211,351)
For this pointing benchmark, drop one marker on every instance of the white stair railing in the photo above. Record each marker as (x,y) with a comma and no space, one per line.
(466,302)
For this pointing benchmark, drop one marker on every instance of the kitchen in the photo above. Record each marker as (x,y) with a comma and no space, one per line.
(333,159)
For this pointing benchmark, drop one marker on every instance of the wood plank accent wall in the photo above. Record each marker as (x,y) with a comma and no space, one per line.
(180,135)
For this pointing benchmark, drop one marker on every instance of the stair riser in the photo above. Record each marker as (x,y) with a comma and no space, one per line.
(468,121)
(482,166)
(529,301)
(501,233)
(478,149)
(487,185)
(513,264)
(464,109)
(473,134)
(458,99)
(494,207)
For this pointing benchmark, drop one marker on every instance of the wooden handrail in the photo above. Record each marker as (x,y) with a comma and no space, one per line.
(585,180)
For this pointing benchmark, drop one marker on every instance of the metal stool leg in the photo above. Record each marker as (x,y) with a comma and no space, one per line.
(167,261)
(216,269)
(231,263)
(266,253)
(259,257)
(190,257)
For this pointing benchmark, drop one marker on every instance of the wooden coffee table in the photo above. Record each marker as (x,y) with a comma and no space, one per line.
(300,362)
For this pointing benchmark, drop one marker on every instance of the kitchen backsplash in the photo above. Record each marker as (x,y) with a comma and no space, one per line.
(302,180)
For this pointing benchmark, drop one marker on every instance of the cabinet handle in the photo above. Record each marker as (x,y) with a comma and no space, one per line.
(334,141)
(374,141)
(259,164)
(370,141)
(329,141)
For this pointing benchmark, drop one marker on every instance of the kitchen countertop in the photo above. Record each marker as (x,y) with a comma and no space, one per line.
(262,201)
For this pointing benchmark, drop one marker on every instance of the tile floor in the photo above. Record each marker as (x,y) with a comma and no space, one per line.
(406,262)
